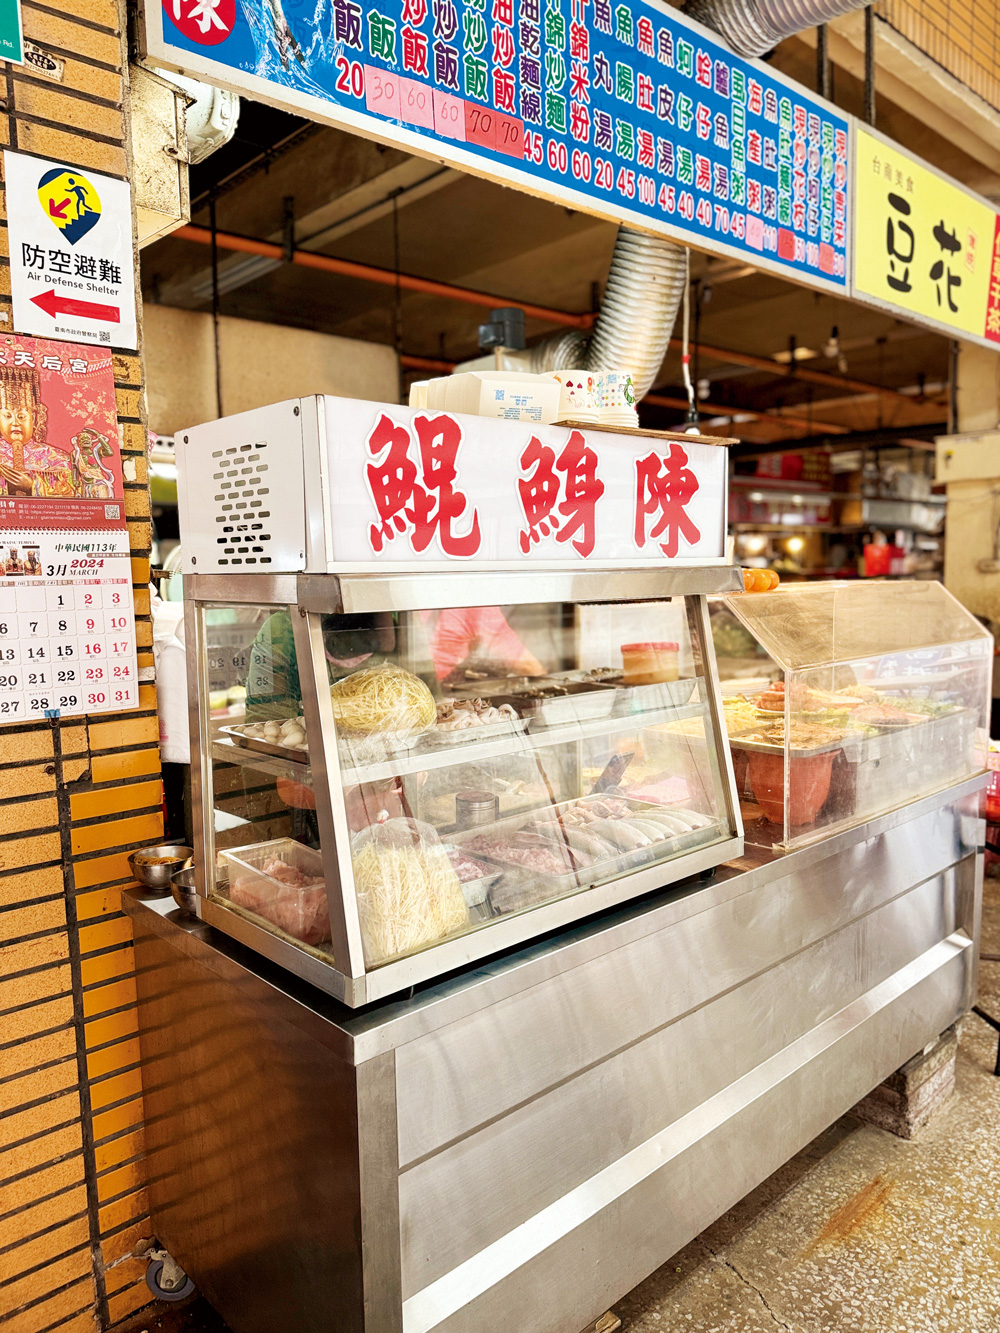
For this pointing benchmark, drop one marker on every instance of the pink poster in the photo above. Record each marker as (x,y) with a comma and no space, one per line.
(60,460)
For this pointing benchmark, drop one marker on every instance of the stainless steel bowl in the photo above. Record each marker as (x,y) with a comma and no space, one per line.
(184,891)
(174,858)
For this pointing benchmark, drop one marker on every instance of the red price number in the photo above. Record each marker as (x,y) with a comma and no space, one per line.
(604,174)
(415,104)
(534,148)
(449,116)
(350,78)
(510,136)
(480,125)
(382,92)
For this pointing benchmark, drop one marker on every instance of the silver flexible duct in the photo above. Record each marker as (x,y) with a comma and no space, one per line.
(753,27)
(645,286)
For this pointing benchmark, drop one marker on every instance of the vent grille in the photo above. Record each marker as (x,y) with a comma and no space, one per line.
(240,504)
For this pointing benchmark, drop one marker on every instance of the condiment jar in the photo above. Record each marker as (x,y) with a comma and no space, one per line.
(650,663)
(475,807)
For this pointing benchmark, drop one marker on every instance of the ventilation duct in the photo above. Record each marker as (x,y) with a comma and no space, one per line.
(753,27)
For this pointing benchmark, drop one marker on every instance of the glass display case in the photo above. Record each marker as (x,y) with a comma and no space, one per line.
(846,700)
(388,791)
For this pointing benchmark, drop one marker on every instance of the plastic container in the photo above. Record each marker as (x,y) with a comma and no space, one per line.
(650,663)
(293,898)
(808,789)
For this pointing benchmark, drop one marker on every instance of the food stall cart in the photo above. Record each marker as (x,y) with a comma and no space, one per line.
(486,1012)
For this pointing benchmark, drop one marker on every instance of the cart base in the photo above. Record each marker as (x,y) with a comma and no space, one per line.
(540,1134)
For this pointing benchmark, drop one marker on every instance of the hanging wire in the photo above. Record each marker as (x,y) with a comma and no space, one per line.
(398,312)
(215,308)
(692,412)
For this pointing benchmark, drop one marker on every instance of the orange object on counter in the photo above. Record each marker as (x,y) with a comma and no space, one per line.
(650,663)
(760,580)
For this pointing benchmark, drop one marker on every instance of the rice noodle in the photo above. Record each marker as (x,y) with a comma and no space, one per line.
(408,893)
(383,700)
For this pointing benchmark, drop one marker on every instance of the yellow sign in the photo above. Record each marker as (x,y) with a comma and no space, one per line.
(924,244)
(70,202)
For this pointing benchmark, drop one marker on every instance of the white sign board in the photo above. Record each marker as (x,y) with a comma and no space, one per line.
(71,260)
(411,485)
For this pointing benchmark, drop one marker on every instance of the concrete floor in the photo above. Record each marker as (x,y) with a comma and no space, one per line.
(860,1233)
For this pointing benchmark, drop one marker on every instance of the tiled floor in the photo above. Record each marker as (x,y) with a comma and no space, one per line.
(860,1233)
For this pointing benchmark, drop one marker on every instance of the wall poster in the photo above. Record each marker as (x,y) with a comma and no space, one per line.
(67,628)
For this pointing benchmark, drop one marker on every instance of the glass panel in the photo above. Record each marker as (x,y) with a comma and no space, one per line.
(266,838)
(833,742)
(869,735)
(497,758)
(805,625)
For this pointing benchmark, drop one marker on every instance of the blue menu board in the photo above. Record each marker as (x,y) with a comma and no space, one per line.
(626,110)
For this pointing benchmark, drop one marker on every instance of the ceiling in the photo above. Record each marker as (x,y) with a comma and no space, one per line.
(377,206)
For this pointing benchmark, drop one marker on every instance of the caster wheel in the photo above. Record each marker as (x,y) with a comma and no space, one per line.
(160,1285)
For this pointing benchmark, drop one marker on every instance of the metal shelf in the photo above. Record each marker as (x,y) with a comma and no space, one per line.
(421,761)
(228,752)
(545,738)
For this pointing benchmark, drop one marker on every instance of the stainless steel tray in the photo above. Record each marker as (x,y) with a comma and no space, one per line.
(236,735)
(584,876)
(436,739)
(761,747)
(851,741)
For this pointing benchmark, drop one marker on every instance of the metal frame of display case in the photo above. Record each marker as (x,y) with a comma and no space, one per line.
(345,976)
(893,766)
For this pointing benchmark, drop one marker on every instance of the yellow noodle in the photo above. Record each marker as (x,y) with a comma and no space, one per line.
(408,897)
(383,699)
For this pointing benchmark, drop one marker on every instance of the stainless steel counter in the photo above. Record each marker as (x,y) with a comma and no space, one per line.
(523,1142)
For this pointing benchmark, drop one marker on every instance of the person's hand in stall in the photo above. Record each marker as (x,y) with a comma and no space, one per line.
(480,634)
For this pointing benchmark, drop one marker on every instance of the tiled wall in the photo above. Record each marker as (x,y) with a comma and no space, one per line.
(961,35)
(75,799)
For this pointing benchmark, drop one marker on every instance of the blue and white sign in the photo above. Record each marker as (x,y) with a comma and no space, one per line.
(626,110)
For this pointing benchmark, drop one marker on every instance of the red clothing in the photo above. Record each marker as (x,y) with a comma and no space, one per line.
(464,631)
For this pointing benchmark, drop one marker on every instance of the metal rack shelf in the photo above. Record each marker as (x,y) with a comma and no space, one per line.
(420,761)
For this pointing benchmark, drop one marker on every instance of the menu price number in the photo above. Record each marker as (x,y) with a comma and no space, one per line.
(492,129)
(387,94)
(350,78)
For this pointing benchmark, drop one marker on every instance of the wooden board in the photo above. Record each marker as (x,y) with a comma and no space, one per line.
(680,436)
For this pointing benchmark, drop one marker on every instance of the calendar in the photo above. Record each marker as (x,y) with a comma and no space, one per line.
(67,620)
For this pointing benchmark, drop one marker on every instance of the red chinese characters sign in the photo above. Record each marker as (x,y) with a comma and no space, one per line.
(456,488)
(664,487)
(993,296)
(579,485)
(422,500)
